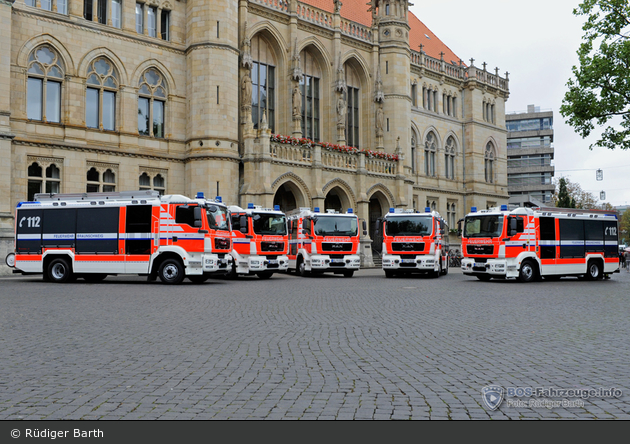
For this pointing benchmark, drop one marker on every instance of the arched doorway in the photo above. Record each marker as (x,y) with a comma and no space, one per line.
(378,207)
(289,197)
(337,199)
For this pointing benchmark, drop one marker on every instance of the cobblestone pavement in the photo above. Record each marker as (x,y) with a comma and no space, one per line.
(328,347)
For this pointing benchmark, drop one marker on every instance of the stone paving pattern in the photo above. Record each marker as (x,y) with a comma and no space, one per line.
(321,348)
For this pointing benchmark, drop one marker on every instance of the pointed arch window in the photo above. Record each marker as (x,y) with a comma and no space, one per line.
(263,83)
(151,104)
(43,177)
(100,96)
(449,158)
(149,180)
(98,181)
(352,101)
(430,147)
(489,163)
(309,88)
(45,77)
(413,151)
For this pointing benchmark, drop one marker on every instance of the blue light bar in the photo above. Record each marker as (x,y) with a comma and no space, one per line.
(276,207)
(391,210)
(427,209)
(316,210)
(504,207)
(218,199)
(250,206)
(199,194)
(350,210)
(473,209)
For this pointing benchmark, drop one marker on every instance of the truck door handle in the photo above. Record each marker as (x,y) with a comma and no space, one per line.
(174,238)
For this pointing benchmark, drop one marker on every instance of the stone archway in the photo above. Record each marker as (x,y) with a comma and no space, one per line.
(378,207)
(337,199)
(289,197)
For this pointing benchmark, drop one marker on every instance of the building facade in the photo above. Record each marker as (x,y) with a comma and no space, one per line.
(314,103)
(530,156)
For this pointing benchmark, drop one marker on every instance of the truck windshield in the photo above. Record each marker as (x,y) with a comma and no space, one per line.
(483,226)
(275,224)
(336,226)
(217,217)
(408,225)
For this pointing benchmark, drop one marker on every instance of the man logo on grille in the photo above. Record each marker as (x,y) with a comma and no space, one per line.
(492,396)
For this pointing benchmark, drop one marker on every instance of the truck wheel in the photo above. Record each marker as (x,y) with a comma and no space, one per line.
(444,270)
(348,273)
(171,271)
(301,268)
(527,272)
(484,277)
(264,274)
(594,271)
(59,270)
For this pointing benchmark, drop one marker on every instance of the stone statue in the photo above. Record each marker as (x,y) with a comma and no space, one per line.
(341,110)
(380,117)
(246,89)
(297,101)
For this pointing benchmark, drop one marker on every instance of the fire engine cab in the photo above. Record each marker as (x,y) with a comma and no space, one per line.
(259,241)
(92,235)
(323,242)
(414,242)
(528,243)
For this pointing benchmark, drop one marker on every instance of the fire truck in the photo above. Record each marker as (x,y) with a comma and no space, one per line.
(259,241)
(528,243)
(92,235)
(324,242)
(413,242)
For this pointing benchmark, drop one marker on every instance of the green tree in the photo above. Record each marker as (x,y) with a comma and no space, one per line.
(600,92)
(563,199)
(624,227)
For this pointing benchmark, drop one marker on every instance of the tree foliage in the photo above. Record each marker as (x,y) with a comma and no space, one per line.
(571,195)
(624,226)
(563,199)
(600,92)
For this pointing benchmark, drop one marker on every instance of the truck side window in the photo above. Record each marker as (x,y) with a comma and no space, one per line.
(185,215)
(236,222)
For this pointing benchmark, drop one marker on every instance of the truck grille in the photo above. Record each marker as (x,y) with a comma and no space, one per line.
(407,246)
(480,249)
(336,246)
(272,246)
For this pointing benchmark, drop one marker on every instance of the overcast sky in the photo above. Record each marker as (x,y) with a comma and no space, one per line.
(536,42)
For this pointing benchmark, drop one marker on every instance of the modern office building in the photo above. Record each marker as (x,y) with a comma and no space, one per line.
(312,103)
(530,156)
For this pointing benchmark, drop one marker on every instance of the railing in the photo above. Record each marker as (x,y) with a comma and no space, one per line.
(301,155)
(529,181)
(315,15)
(340,161)
(529,163)
(281,5)
(355,30)
(380,166)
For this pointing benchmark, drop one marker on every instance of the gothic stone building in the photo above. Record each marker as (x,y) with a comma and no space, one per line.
(312,103)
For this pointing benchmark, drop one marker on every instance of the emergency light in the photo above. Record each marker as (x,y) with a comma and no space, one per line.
(427,209)
(199,194)
(250,206)
(218,199)
(350,210)
(473,209)
(276,207)
(391,210)
(316,210)
(504,207)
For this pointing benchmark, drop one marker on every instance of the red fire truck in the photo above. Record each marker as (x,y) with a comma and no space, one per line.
(92,235)
(414,242)
(259,241)
(526,243)
(323,242)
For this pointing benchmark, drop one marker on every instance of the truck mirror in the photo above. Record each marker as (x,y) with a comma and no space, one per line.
(243,230)
(512,226)
(242,221)
(197,217)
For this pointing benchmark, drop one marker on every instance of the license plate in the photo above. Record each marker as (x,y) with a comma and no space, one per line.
(273,262)
(408,261)
(336,261)
(480,265)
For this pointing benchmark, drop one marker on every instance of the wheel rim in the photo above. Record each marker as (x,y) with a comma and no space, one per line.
(527,271)
(58,271)
(171,272)
(594,270)
(302,268)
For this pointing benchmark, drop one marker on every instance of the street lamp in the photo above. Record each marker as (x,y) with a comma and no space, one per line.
(599,174)
(602,195)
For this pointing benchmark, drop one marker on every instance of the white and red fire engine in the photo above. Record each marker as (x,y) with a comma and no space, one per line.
(259,241)
(414,242)
(92,235)
(527,243)
(323,242)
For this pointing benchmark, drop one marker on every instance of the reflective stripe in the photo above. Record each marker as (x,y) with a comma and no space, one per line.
(54,236)
(29,236)
(97,236)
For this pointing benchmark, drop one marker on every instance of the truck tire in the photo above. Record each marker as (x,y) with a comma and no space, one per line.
(594,270)
(171,271)
(59,270)
(390,273)
(528,271)
(301,268)
(348,273)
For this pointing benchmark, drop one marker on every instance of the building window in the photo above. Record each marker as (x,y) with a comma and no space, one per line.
(151,104)
(309,88)
(45,74)
(140,18)
(49,182)
(116,13)
(165,25)
(101,10)
(153,181)
(97,182)
(451,216)
(430,147)
(263,83)
(413,152)
(414,95)
(489,163)
(152,21)
(449,158)
(100,97)
(352,101)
